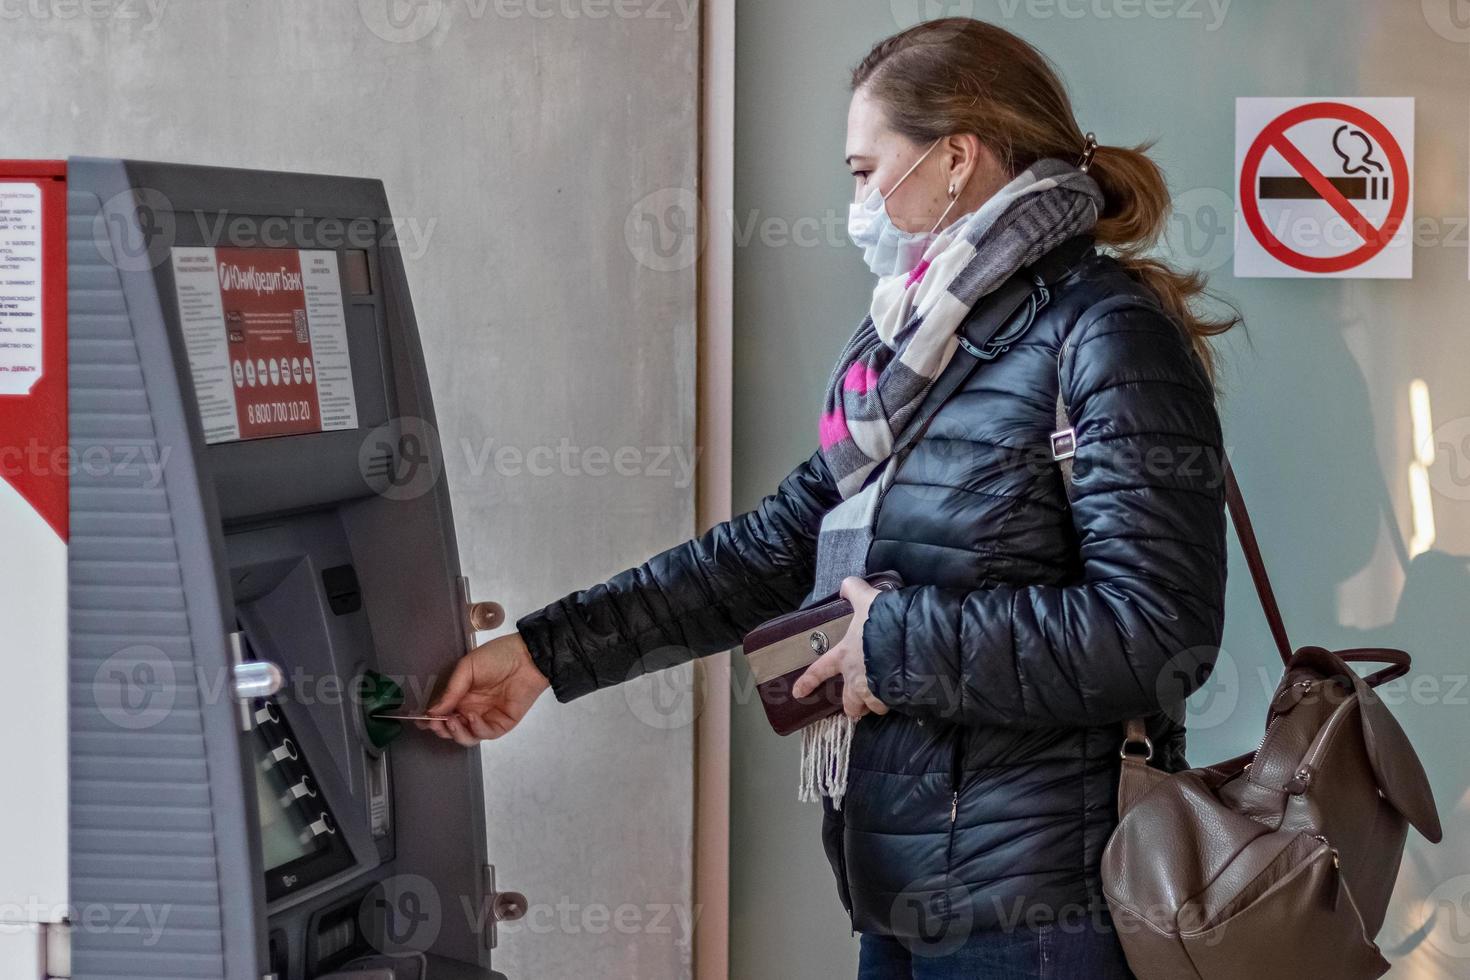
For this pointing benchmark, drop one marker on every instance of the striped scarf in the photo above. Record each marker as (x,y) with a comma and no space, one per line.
(886,368)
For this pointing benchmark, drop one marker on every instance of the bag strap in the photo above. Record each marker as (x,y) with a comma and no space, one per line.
(1399,661)
(1064,447)
(1136,777)
(1246,532)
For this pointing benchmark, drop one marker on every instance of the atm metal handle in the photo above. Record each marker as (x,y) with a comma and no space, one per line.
(499,906)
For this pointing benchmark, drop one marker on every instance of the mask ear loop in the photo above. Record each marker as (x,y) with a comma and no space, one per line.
(954,198)
(922,157)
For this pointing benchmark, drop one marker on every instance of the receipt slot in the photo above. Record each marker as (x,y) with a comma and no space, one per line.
(261,555)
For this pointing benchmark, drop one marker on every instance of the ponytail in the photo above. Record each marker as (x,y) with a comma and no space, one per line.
(1136,209)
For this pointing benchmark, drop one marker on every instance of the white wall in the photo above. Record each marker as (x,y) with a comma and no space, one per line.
(518,138)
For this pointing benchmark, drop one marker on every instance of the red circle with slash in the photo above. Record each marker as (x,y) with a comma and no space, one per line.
(1375,237)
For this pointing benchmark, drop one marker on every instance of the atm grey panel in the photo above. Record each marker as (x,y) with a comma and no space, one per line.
(162,788)
(157,773)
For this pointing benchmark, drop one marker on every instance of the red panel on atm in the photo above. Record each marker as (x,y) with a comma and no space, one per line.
(34,456)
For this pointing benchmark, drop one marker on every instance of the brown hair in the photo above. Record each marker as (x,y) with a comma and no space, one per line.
(957,75)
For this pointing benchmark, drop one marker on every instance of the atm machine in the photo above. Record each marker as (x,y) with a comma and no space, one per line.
(260,562)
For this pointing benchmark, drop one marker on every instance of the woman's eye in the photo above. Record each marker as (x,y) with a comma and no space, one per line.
(861,174)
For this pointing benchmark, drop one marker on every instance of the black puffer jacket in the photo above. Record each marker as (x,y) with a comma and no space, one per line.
(1030,629)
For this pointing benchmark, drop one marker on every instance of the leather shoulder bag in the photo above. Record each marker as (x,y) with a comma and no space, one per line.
(1278,864)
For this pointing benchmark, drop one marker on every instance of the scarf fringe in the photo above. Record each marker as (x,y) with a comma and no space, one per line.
(824,746)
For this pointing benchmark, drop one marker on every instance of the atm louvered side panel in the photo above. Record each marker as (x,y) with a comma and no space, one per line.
(150,857)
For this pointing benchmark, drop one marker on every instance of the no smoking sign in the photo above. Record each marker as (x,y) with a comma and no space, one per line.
(1324,188)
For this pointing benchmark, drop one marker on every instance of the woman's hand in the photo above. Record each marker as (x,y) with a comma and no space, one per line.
(846,658)
(490,691)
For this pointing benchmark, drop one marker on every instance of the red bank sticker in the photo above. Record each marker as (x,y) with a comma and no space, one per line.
(267,339)
(1325,187)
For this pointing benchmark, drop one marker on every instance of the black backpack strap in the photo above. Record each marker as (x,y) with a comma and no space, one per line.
(1054,265)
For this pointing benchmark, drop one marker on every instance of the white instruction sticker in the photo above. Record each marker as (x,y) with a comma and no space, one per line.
(20,287)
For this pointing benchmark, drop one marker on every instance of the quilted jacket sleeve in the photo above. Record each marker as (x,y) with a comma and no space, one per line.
(695,599)
(1148,511)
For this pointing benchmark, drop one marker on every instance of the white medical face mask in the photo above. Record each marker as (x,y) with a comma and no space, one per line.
(888,250)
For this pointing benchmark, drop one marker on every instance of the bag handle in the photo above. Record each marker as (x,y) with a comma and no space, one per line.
(1399,662)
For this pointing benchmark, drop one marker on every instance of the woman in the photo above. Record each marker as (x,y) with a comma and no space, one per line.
(966,819)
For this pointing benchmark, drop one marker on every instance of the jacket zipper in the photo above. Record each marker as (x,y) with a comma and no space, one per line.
(955,771)
(846,891)
(955,776)
(1061,363)
(846,885)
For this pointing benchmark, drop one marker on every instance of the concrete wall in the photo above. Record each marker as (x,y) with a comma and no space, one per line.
(516,140)
(1315,395)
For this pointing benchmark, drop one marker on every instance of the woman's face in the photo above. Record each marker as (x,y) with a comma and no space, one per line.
(879,156)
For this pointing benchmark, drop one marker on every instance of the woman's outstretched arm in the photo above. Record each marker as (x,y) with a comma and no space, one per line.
(694,599)
(697,598)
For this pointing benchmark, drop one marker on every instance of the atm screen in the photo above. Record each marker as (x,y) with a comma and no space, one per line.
(266,334)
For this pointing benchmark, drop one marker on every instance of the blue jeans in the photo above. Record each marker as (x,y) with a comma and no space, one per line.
(1065,951)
